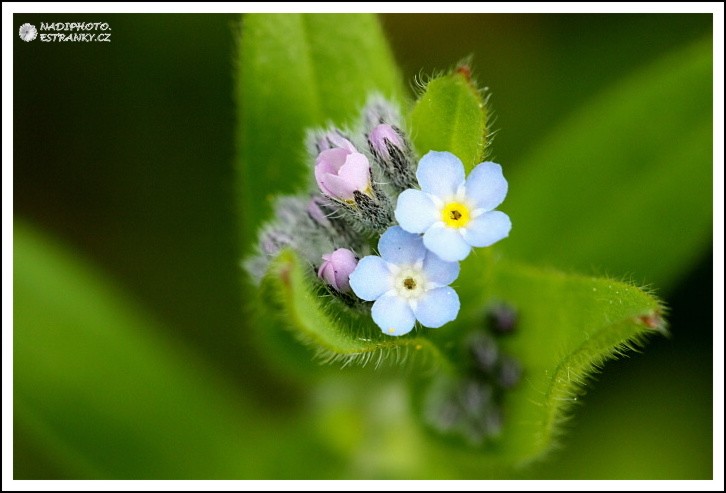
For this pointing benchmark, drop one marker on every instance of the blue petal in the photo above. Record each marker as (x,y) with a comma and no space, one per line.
(393,315)
(399,247)
(487,229)
(437,307)
(440,271)
(486,186)
(446,242)
(440,174)
(415,211)
(371,278)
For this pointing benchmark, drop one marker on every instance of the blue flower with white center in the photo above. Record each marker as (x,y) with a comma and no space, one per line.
(407,283)
(454,213)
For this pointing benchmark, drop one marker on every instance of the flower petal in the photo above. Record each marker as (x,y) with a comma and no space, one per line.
(447,243)
(486,186)
(487,229)
(415,211)
(393,315)
(439,271)
(338,140)
(371,278)
(400,247)
(330,161)
(437,307)
(344,263)
(440,174)
(335,187)
(356,172)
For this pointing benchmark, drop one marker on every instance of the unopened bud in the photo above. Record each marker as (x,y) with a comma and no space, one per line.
(336,269)
(388,146)
(333,140)
(502,318)
(341,172)
(316,212)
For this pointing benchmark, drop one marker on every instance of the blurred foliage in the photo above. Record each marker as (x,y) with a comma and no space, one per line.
(599,193)
(124,151)
(109,397)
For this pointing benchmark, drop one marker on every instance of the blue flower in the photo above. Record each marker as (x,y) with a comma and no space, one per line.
(407,283)
(454,213)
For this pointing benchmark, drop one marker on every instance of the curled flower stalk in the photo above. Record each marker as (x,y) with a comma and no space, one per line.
(359,176)
(377,259)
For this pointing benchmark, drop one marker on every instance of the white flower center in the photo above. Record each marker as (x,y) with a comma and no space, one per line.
(410,282)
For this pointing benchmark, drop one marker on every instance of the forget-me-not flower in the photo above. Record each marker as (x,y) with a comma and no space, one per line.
(453,212)
(407,283)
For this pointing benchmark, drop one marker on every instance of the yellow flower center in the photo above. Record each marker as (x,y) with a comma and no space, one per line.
(409,283)
(455,215)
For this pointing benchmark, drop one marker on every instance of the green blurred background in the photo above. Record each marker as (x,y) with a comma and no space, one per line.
(124,152)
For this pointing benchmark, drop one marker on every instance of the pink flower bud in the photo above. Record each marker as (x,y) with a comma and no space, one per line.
(333,140)
(336,269)
(316,212)
(381,136)
(340,172)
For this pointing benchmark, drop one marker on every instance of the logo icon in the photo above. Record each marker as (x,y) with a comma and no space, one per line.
(28,32)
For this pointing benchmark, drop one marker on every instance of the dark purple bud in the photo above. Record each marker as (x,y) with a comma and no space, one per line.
(510,373)
(475,396)
(502,318)
(484,351)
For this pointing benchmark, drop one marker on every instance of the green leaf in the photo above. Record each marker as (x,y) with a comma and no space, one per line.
(624,186)
(451,116)
(336,331)
(568,326)
(108,397)
(298,71)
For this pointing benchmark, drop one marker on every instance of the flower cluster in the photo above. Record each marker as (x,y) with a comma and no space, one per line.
(423,216)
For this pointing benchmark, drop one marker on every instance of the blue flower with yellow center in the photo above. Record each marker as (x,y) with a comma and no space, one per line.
(454,212)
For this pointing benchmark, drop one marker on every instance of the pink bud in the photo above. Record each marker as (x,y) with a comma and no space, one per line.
(316,212)
(333,140)
(340,172)
(379,137)
(336,269)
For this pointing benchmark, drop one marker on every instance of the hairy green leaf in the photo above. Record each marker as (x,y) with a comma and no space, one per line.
(451,116)
(625,185)
(298,71)
(321,320)
(569,325)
